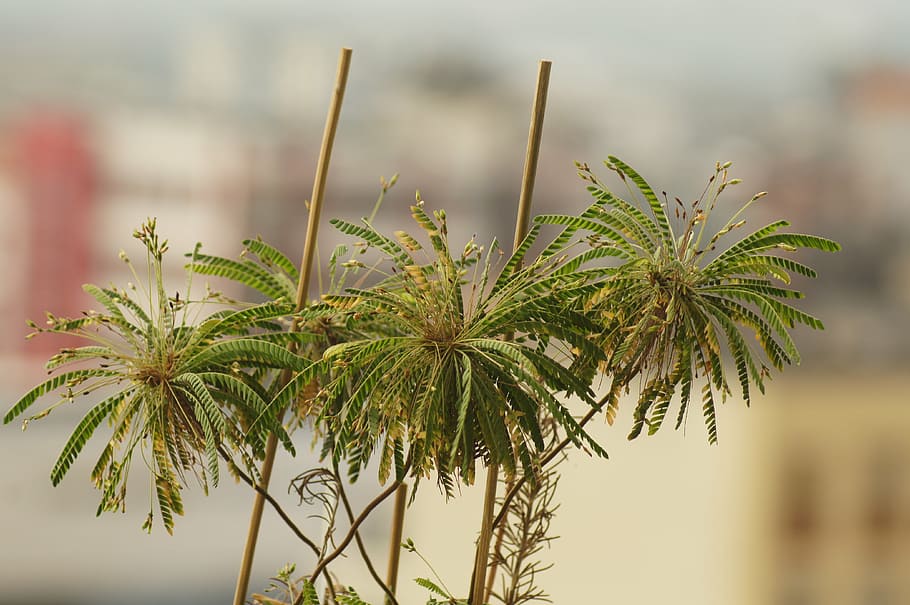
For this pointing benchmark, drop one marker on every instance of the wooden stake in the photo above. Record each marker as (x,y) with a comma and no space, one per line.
(303,285)
(395,542)
(535,133)
(482,555)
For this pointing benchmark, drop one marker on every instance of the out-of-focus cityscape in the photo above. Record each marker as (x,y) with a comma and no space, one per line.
(209,117)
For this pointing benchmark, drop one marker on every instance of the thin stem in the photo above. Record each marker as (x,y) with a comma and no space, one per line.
(320,567)
(281,513)
(494,564)
(363,551)
(535,134)
(262,491)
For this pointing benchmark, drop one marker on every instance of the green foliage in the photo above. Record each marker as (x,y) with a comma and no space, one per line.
(262,268)
(435,383)
(316,327)
(179,388)
(282,589)
(309,593)
(677,304)
(447,358)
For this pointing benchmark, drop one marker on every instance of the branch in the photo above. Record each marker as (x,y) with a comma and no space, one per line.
(320,567)
(268,497)
(360,546)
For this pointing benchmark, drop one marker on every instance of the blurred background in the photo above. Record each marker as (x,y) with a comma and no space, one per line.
(209,114)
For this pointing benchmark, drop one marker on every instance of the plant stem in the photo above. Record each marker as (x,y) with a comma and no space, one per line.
(535,133)
(278,509)
(266,496)
(389,590)
(395,541)
(328,139)
(320,567)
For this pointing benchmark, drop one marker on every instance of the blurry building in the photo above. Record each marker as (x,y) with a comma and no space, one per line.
(877,104)
(832,494)
(48,205)
(188,171)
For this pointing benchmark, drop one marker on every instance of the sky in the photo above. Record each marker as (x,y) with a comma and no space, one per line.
(754,45)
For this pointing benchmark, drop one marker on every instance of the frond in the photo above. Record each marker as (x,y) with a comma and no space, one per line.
(350,597)
(83,433)
(431,586)
(373,238)
(614,235)
(515,259)
(107,299)
(70,380)
(660,215)
(272,257)
(245,272)
(249,351)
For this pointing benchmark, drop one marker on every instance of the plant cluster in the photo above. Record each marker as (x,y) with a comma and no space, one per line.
(435,359)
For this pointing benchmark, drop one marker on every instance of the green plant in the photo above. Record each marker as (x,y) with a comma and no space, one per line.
(677,301)
(439,385)
(448,358)
(182,388)
(665,313)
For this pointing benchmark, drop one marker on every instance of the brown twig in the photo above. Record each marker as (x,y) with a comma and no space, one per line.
(278,509)
(494,563)
(262,491)
(388,590)
(352,531)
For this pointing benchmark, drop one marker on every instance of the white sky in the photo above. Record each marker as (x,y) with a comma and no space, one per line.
(753,44)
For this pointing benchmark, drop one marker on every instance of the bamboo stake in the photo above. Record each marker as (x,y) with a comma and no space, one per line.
(306,263)
(482,555)
(535,133)
(395,542)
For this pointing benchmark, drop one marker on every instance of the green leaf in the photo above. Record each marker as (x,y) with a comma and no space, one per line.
(350,597)
(309,593)
(200,392)
(69,379)
(109,300)
(251,316)
(612,233)
(246,272)
(249,351)
(432,587)
(710,412)
(516,258)
(660,215)
(83,433)
(273,256)
(70,355)
(373,238)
